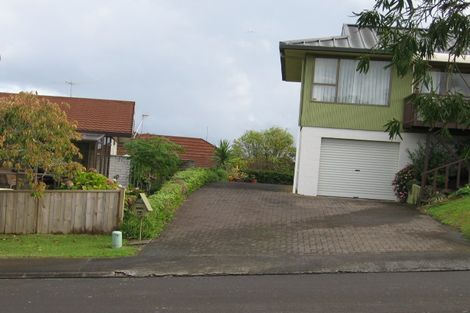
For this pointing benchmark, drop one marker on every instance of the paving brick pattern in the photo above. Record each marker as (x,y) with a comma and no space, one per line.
(254,220)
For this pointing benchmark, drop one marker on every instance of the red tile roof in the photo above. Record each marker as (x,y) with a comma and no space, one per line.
(112,117)
(197,150)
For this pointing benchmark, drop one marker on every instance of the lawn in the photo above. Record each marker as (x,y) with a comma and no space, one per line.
(72,245)
(455,213)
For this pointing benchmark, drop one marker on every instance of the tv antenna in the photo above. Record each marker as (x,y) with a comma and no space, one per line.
(70,83)
(141,125)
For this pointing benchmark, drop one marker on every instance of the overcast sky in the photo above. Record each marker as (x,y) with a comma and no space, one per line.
(190,65)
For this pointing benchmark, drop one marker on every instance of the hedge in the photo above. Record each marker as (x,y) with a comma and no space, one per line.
(165,201)
(271,177)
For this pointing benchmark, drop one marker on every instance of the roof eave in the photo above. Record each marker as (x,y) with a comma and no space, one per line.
(285,46)
(107,133)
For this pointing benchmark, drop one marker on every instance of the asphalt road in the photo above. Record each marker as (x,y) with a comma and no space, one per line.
(388,292)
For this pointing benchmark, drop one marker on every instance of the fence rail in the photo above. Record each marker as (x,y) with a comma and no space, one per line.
(458,166)
(61,211)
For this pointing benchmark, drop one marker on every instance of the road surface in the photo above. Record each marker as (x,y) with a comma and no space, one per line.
(386,292)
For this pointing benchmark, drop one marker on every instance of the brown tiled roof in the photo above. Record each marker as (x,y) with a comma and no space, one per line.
(197,150)
(113,117)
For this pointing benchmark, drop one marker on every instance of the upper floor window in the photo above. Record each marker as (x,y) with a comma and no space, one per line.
(458,82)
(336,80)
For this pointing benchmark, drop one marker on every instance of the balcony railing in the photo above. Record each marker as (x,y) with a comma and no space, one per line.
(412,121)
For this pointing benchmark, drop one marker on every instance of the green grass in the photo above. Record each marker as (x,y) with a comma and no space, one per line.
(72,245)
(455,213)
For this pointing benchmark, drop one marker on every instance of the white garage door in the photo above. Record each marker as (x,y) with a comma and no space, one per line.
(356,168)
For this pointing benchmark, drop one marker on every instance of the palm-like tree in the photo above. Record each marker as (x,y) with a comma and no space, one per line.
(223,153)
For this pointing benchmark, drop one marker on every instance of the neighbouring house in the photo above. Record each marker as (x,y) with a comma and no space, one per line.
(101,123)
(342,147)
(197,151)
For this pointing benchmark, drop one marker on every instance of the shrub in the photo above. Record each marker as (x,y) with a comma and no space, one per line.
(237,175)
(36,136)
(153,161)
(167,200)
(437,157)
(89,180)
(463,192)
(404,178)
(271,177)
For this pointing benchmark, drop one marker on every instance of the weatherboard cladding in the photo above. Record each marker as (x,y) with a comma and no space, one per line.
(113,117)
(352,116)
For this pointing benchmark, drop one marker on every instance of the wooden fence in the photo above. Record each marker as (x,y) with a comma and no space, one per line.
(61,211)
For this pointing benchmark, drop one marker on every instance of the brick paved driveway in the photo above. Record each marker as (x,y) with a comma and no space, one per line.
(263,228)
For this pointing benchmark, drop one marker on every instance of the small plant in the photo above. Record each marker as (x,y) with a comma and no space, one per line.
(463,192)
(90,180)
(237,175)
(404,178)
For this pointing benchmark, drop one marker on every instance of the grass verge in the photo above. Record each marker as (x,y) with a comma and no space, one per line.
(455,213)
(71,245)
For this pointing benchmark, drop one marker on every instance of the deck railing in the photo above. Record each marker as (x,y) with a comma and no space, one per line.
(459,170)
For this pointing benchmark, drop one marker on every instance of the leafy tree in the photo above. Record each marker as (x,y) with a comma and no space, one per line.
(153,160)
(411,32)
(36,137)
(223,153)
(271,149)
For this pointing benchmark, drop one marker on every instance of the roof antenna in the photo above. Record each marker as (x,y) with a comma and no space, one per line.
(71,83)
(141,125)
(207,132)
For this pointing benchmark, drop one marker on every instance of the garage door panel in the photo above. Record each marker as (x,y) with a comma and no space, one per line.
(356,168)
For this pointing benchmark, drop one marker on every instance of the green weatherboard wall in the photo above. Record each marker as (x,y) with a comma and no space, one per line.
(351,116)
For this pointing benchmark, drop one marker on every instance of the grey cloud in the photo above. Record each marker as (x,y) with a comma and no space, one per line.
(188,64)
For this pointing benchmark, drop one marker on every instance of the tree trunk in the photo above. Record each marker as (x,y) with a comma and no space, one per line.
(427,153)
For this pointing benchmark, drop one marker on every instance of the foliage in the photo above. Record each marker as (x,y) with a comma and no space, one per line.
(271,149)
(464,191)
(270,177)
(70,245)
(455,212)
(90,180)
(238,175)
(223,154)
(404,178)
(153,160)
(411,31)
(430,196)
(438,156)
(167,200)
(35,136)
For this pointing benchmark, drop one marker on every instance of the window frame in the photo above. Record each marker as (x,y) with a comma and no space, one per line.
(443,76)
(312,99)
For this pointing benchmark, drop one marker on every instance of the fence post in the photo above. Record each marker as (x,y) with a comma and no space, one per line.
(122,196)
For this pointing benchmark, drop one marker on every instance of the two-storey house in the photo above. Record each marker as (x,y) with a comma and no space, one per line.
(342,147)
